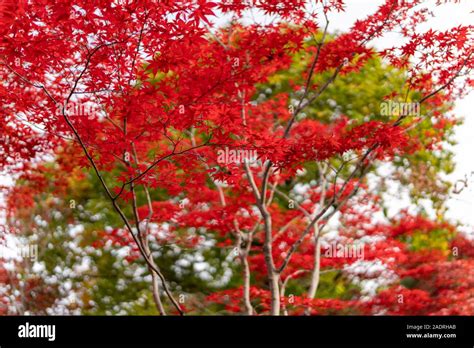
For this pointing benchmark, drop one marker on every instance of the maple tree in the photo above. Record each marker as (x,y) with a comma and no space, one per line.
(145,100)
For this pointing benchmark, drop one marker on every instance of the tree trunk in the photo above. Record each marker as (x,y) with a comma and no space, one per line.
(316,268)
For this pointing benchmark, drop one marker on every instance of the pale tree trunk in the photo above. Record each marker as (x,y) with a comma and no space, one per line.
(243,243)
(246,291)
(275,293)
(316,271)
(272,275)
(156,293)
(243,254)
(315,274)
(155,283)
(143,240)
